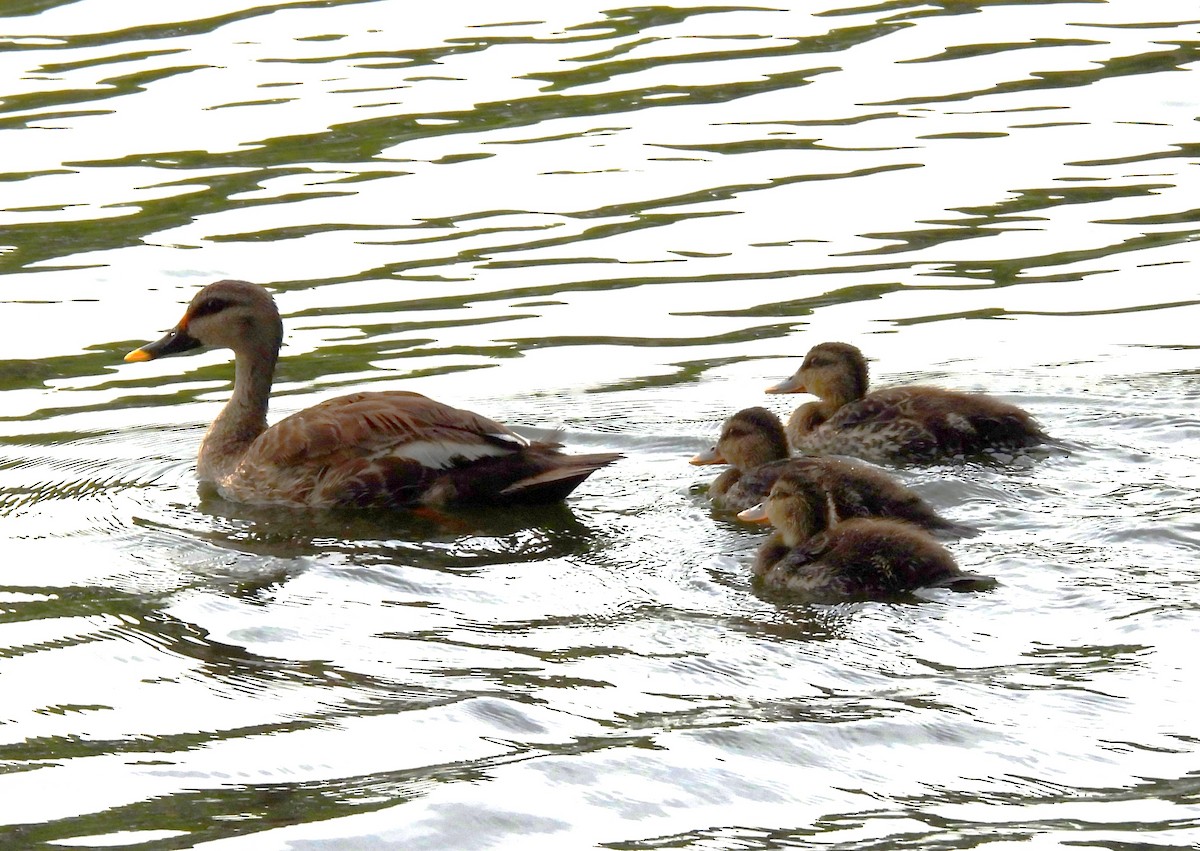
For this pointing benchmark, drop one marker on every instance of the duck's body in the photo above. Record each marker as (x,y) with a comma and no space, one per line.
(383,449)
(395,449)
(813,556)
(913,423)
(752,441)
(859,559)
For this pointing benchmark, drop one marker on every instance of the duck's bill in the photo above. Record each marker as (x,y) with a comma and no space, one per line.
(755,514)
(175,342)
(788,385)
(708,456)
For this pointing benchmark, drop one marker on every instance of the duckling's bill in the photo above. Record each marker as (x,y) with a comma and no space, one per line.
(755,514)
(788,385)
(709,456)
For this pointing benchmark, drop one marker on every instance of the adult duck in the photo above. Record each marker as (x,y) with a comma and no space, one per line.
(379,449)
(811,555)
(753,444)
(913,423)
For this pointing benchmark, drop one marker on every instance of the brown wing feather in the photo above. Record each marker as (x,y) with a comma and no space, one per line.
(862,558)
(926,422)
(373,424)
(396,448)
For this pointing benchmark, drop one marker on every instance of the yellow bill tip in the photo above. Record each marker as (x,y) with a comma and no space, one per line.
(138,355)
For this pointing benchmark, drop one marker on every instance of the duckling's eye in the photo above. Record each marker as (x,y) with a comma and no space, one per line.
(210,306)
(818,362)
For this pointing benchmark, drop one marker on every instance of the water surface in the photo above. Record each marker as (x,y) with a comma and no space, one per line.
(620,223)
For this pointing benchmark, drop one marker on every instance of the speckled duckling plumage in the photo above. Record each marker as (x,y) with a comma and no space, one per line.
(753,443)
(913,423)
(811,555)
(380,449)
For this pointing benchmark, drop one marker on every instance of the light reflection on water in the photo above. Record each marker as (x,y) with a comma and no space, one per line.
(623,224)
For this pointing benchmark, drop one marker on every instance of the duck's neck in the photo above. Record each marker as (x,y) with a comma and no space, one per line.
(802,524)
(840,392)
(244,416)
(809,416)
(796,533)
(722,483)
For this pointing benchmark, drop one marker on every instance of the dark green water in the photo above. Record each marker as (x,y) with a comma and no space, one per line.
(624,224)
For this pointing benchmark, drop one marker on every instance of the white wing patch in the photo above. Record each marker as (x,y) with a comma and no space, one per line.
(510,437)
(960,423)
(439,454)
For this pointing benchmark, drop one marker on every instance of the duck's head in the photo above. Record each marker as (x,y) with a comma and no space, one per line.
(832,371)
(751,437)
(228,314)
(796,507)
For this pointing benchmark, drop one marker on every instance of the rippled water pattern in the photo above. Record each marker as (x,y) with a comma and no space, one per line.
(620,223)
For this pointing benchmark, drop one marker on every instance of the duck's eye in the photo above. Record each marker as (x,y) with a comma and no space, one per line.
(210,306)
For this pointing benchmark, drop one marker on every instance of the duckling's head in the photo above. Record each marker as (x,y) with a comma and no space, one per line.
(833,371)
(796,506)
(751,437)
(228,314)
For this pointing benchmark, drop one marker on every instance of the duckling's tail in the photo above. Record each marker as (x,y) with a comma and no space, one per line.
(949,529)
(967,582)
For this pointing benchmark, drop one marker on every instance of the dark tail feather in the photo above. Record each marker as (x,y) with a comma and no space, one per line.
(558,481)
(950,529)
(1011,431)
(967,582)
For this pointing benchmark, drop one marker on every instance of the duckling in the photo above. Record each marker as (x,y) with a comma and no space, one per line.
(753,443)
(377,449)
(810,554)
(897,423)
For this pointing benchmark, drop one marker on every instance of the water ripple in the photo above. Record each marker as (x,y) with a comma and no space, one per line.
(616,225)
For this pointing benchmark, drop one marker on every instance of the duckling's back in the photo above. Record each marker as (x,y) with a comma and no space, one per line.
(915,423)
(862,558)
(853,489)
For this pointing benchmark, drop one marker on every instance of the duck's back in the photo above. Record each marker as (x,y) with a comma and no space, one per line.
(860,559)
(389,449)
(853,489)
(859,490)
(921,423)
